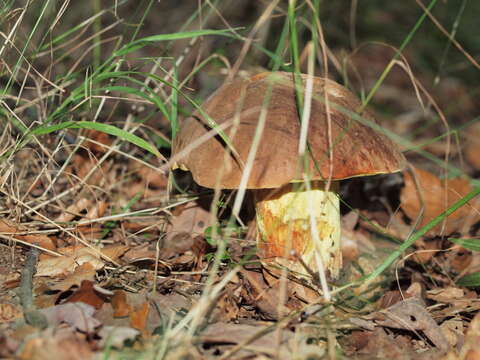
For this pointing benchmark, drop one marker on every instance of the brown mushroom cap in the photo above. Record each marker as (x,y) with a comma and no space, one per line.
(357,149)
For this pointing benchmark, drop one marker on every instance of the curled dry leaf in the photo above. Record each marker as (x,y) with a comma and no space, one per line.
(438,195)
(411,315)
(448,295)
(75,256)
(121,308)
(83,272)
(97,210)
(78,315)
(87,295)
(74,210)
(9,228)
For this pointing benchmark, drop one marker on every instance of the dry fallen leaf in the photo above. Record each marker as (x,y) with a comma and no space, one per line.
(55,345)
(87,295)
(83,272)
(101,141)
(120,305)
(9,312)
(115,336)
(77,315)
(151,177)
(66,264)
(139,317)
(438,195)
(74,256)
(379,344)
(83,165)
(453,331)
(266,342)
(191,219)
(74,210)
(410,315)
(447,295)
(11,229)
(471,348)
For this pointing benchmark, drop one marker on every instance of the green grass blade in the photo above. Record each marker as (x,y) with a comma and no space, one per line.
(140,43)
(470,280)
(105,128)
(470,244)
(174,104)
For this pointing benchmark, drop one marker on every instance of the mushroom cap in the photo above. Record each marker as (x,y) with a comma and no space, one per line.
(357,149)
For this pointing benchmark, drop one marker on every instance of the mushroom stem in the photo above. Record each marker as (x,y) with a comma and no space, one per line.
(283,227)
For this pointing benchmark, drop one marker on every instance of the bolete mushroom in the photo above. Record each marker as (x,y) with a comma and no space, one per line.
(284,215)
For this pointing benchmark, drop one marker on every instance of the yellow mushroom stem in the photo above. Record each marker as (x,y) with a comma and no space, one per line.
(284,233)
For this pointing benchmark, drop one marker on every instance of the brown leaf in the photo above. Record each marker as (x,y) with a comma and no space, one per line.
(120,305)
(74,210)
(191,218)
(64,265)
(10,228)
(438,195)
(114,251)
(102,141)
(9,312)
(78,315)
(471,349)
(152,177)
(97,210)
(82,167)
(75,256)
(379,345)
(139,317)
(265,341)
(86,294)
(411,315)
(446,295)
(460,259)
(55,345)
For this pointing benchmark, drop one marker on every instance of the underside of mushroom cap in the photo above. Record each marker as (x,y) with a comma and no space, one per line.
(356,149)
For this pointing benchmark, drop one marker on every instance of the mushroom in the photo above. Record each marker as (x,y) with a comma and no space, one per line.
(285,207)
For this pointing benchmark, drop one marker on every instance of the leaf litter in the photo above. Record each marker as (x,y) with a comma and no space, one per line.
(99,304)
(164,293)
